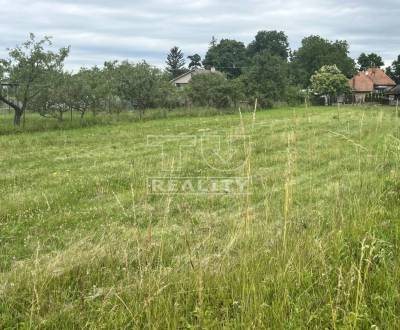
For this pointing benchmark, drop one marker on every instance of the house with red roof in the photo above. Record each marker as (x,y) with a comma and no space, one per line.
(373,80)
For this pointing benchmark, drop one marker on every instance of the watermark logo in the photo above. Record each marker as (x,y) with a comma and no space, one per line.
(225,153)
(197,185)
(220,156)
(173,150)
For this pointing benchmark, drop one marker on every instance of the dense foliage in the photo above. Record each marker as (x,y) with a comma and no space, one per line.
(273,42)
(214,90)
(195,61)
(314,53)
(28,69)
(266,78)
(366,61)
(229,56)
(329,81)
(394,70)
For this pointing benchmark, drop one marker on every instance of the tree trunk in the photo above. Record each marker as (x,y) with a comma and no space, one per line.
(17,117)
(82,114)
(18,111)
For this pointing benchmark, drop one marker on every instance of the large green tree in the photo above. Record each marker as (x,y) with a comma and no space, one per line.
(329,81)
(266,78)
(314,53)
(175,62)
(96,85)
(53,98)
(366,61)
(393,71)
(139,84)
(274,42)
(227,56)
(26,70)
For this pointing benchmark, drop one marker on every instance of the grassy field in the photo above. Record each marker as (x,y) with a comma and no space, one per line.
(312,244)
(36,123)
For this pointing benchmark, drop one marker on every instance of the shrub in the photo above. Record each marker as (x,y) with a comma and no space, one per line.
(214,90)
(294,96)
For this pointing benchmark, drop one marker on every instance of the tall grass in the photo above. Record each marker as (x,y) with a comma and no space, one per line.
(314,245)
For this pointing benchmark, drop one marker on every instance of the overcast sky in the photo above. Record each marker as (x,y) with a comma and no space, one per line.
(99,30)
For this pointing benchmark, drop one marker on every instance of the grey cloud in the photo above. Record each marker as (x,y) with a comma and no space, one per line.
(104,30)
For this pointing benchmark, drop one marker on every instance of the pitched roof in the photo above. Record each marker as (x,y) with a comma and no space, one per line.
(195,71)
(183,75)
(361,83)
(366,81)
(379,77)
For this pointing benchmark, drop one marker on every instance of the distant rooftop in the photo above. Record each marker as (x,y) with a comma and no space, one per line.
(368,81)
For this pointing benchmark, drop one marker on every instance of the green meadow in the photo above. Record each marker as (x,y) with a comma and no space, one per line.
(311,243)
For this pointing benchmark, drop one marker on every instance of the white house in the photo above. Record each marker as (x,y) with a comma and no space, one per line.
(185,78)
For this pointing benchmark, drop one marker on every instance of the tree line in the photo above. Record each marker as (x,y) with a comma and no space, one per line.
(33,76)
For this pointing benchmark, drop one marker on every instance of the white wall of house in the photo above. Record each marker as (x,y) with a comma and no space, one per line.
(183,80)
